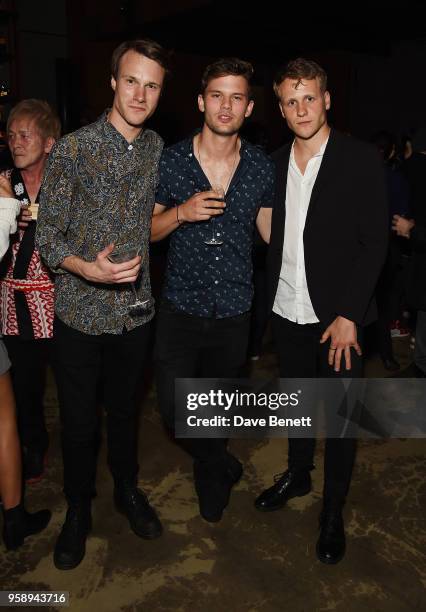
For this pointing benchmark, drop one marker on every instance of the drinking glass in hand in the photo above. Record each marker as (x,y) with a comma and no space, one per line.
(33,209)
(126,253)
(219,190)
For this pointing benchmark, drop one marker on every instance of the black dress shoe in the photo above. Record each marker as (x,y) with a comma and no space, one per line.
(213,485)
(287,485)
(133,503)
(331,544)
(71,544)
(18,524)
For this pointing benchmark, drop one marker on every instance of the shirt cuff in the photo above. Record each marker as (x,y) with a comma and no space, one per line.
(55,256)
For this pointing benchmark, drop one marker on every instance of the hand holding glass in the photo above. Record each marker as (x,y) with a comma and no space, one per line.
(219,190)
(126,253)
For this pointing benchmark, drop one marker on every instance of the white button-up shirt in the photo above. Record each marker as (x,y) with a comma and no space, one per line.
(292,300)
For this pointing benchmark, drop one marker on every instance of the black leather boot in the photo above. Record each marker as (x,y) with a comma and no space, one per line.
(133,503)
(18,524)
(213,485)
(71,544)
(289,484)
(331,544)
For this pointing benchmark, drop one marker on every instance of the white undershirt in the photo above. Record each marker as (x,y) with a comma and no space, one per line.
(292,300)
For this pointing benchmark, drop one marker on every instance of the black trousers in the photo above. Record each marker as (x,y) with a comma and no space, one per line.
(82,363)
(29,360)
(259,311)
(302,356)
(189,347)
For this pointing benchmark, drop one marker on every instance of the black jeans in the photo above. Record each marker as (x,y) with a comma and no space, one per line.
(188,347)
(302,356)
(259,311)
(29,360)
(81,363)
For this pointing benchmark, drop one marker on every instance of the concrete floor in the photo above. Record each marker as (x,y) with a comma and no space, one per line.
(249,561)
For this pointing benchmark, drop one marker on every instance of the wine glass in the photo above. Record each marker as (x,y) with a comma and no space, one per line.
(221,198)
(126,253)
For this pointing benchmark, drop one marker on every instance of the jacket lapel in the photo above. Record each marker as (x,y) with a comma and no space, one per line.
(278,220)
(326,172)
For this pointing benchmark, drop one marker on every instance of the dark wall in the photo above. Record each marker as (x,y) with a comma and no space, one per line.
(64,49)
(41,29)
(389,92)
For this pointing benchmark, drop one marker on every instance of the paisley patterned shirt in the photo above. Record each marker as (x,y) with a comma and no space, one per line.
(205,280)
(98,189)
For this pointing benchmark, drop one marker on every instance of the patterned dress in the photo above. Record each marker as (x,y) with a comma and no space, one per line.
(26,287)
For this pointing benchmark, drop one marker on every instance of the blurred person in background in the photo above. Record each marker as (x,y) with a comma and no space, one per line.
(415,229)
(17,522)
(416,288)
(27,289)
(414,170)
(390,288)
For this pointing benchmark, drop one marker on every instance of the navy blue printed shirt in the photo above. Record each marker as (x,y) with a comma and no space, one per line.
(205,280)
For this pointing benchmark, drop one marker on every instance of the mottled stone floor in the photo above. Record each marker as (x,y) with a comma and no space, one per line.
(249,561)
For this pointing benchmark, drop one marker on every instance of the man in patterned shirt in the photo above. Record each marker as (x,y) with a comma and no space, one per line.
(97,197)
(203,323)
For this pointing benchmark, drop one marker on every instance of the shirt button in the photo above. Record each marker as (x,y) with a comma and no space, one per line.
(217,234)
(130,147)
(216,282)
(217,258)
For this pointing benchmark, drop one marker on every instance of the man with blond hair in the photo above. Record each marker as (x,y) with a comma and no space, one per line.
(328,243)
(27,290)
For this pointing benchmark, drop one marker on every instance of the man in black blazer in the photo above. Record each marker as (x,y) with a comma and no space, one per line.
(328,243)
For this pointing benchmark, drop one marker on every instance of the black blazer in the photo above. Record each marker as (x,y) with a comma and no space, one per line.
(346,230)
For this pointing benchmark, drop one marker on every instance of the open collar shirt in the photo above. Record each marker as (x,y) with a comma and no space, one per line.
(292,300)
(201,279)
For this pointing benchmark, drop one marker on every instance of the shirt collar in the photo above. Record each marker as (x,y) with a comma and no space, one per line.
(319,154)
(188,146)
(109,131)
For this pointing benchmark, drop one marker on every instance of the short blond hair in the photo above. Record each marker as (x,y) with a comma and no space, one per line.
(300,69)
(43,115)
